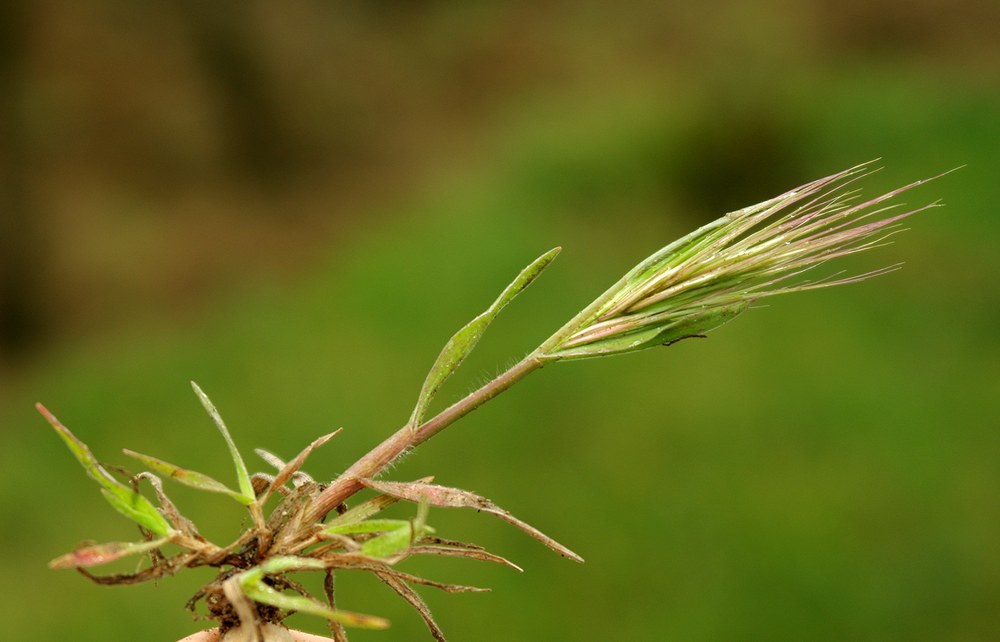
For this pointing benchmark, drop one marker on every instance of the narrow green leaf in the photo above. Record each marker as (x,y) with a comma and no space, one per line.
(398,534)
(264,594)
(395,541)
(369,526)
(390,543)
(463,341)
(137,508)
(246,486)
(104,553)
(456,498)
(80,450)
(167,507)
(252,584)
(122,498)
(190,478)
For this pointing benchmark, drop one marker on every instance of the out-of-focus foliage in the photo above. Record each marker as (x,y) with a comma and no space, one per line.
(826,469)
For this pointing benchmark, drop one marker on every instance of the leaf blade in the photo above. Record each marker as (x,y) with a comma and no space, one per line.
(104,553)
(242,475)
(251,583)
(448,497)
(369,526)
(292,467)
(264,594)
(190,478)
(122,498)
(462,342)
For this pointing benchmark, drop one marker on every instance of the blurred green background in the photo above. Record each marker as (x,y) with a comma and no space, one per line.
(296,204)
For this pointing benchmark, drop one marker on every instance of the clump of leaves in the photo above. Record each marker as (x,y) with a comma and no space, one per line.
(685,290)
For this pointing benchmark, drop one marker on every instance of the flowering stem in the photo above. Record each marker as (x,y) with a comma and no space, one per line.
(380,457)
(687,288)
(409,437)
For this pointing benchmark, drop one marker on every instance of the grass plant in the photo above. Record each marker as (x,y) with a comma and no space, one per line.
(298,524)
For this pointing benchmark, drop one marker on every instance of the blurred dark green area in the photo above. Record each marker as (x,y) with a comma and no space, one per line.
(296,204)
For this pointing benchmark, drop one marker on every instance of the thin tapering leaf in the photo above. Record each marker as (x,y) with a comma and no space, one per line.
(337,631)
(369,526)
(390,543)
(395,541)
(125,500)
(138,509)
(413,599)
(456,498)
(292,467)
(103,553)
(463,341)
(470,553)
(162,568)
(252,585)
(187,477)
(242,476)
(298,478)
(423,581)
(264,594)
(270,458)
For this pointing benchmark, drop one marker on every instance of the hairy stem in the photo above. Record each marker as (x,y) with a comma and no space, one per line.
(409,436)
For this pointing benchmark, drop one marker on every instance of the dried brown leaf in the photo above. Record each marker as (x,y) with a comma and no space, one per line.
(473,553)
(293,466)
(447,497)
(337,630)
(407,593)
(103,553)
(447,588)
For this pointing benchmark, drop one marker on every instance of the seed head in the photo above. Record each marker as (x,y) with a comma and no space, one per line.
(706,278)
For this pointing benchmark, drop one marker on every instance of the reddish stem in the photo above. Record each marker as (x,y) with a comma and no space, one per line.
(407,437)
